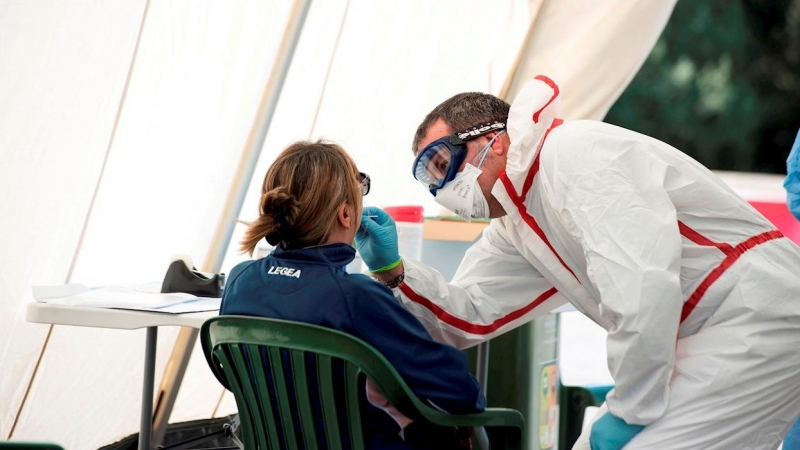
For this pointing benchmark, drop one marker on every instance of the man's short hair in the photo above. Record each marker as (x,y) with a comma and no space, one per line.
(463,111)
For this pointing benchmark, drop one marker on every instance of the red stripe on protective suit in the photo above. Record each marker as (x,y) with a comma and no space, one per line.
(519,201)
(699,239)
(554,86)
(470,327)
(535,167)
(732,254)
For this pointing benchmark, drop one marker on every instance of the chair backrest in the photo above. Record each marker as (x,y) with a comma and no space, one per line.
(273,367)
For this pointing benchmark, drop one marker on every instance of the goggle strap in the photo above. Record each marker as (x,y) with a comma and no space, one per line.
(455,140)
(461,137)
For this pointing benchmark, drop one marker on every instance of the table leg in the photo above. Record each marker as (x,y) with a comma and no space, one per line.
(167,392)
(482,372)
(482,375)
(146,425)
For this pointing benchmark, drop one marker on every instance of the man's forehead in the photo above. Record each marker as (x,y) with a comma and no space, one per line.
(437,130)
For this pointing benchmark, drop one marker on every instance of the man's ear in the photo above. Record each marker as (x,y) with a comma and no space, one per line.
(345,216)
(500,144)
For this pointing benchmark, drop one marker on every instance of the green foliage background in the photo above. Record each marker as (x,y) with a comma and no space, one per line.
(722,84)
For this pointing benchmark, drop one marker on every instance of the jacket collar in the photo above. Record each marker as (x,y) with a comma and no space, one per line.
(334,254)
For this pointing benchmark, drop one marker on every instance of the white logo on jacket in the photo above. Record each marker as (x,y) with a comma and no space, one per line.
(285,271)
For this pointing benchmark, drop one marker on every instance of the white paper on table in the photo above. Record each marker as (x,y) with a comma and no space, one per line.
(140,297)
(199,305)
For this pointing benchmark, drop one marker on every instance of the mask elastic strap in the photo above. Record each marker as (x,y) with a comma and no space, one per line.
(485,150)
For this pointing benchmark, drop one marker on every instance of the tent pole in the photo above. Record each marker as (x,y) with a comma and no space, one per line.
(311,130)
(176,367)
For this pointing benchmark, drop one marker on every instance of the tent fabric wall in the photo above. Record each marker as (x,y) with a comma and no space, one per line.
(384,76)
(193,92)
(63,71)
(364,74)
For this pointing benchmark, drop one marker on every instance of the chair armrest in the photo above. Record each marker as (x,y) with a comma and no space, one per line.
(492,417)
(506,427)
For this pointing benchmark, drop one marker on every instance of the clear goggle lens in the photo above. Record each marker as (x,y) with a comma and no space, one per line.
(432,166)
(438,163)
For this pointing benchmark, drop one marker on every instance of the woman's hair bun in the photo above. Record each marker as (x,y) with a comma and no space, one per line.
(283,208)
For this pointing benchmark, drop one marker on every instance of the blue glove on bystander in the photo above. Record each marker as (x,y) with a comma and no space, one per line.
(376,240)
(610,432)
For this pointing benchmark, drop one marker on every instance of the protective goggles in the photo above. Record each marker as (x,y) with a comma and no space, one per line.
(365,183)
(438,163)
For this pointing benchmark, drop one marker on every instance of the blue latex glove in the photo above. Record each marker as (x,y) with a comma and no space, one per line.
(610,432)
(792,181)
(376,240)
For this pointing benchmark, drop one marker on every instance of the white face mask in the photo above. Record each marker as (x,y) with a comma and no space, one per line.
(463,195)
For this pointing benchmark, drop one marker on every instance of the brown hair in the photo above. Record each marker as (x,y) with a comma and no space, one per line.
(301,195)
(463,111)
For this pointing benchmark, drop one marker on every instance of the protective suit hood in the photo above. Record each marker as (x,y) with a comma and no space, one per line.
(532,112)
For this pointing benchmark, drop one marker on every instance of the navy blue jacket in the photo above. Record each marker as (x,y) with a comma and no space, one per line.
(311,286)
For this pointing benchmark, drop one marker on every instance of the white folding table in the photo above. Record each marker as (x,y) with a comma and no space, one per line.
(122,319)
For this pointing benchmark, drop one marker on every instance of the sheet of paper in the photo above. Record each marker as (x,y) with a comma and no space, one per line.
(199,305)
(144,297)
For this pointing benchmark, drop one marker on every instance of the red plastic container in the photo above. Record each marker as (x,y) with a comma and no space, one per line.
(409,213)
(410,229)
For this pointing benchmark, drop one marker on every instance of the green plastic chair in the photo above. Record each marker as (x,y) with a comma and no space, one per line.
(234,346)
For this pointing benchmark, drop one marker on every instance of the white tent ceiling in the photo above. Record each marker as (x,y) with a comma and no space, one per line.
(122,124)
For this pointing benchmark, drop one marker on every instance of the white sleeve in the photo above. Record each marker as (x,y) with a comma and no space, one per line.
(616,207)
(494,290)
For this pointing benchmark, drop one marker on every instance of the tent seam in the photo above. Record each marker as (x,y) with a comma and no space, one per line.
(30,383)
(328,72)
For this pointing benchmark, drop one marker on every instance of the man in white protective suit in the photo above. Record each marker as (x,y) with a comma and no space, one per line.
(699,293)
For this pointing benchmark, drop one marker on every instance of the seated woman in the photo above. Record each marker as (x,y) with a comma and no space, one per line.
(310,209)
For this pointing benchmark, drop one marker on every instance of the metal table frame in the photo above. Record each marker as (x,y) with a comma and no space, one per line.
(122,319)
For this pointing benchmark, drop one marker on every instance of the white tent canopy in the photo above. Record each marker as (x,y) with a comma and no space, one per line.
(122,125)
